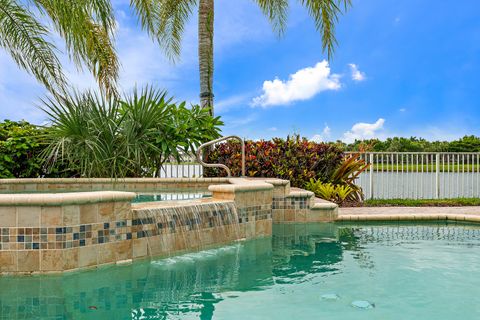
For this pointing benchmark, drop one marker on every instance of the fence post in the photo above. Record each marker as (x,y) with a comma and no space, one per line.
(437,175)
(371,176)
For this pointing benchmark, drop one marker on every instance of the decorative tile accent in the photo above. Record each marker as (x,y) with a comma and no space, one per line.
(291,203)
(63,237)
(162,221)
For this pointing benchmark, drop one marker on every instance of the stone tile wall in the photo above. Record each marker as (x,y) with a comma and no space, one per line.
(100,184)
(47,238)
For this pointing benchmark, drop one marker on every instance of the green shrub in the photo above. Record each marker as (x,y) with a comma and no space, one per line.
(295,159)
(341,185)
(330,192)
(20,147)
(132,137)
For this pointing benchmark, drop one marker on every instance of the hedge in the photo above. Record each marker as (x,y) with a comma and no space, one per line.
(296,159)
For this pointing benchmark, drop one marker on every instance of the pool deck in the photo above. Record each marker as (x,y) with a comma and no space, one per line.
(468,214)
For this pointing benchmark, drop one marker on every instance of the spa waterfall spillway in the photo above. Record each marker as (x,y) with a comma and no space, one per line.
(56,225)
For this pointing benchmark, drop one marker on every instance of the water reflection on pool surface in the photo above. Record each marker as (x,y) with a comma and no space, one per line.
(314,271)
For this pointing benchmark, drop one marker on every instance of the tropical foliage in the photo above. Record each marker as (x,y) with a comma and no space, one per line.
(87,27)
(165,20)
(329,191)
(296,159)
(341,184)
(318,167)
(413,144)
(102,137)
(20,149)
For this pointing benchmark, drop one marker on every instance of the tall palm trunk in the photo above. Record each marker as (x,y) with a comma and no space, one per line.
(205,52)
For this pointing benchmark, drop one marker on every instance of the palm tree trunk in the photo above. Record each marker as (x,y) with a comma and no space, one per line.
(205,52)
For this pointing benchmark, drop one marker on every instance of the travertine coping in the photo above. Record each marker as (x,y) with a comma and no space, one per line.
(321,204)
(273,181)
(410,217)
(176,203)
(58,199)
(244,187)
(299,193)
(469,214)
(108,180)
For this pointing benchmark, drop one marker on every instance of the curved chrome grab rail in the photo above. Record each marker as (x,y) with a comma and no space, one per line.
(219,165)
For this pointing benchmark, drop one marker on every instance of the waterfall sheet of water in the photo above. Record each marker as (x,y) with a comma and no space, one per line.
(189,228)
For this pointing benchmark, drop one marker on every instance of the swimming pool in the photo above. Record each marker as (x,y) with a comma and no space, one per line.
(309,271)
(169,196)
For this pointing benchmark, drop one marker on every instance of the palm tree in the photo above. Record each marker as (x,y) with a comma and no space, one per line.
(87,27)
(165,20)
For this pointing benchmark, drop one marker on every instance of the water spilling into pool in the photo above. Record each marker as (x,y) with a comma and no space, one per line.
(192,226)
(169,196)
(315,271)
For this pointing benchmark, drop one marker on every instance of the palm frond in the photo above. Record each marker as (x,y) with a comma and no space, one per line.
(165,20)
(277,12)
(325,14)
(26,40)
(87,27)
(147,12)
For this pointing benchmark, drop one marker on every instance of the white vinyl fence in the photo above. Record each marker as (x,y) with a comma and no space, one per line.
(181,170)
(394,175)
(420,175)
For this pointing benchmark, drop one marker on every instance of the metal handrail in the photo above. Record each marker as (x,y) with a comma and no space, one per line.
(219,165)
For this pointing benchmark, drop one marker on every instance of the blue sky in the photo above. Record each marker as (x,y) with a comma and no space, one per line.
(402,67)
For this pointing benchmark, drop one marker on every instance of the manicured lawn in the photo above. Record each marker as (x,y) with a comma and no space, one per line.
(426,168)
(422,202)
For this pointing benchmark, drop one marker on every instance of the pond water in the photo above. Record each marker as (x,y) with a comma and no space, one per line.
(315,271)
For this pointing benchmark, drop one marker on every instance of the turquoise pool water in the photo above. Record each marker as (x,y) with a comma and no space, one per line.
(303,272)
(149,196)
(170,196)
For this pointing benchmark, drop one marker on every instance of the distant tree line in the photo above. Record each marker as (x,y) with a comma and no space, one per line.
(413,144)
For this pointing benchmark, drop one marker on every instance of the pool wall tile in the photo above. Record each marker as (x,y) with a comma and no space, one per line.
(70,258)
(51,260)
(8,261)
(106,253)
(140,248)
(89,213)
(87,256)
(28,216)
(123,250)
(8,217)
(51,217)
(28,260)
(106,211)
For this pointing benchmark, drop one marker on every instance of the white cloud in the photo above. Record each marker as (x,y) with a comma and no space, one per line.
(236,122)
(402,109)
(142,60)
(231,102)
(302,85)
(324,136)
(357,75)
(363,130)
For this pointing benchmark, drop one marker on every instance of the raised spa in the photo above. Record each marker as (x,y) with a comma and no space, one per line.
(55,225)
